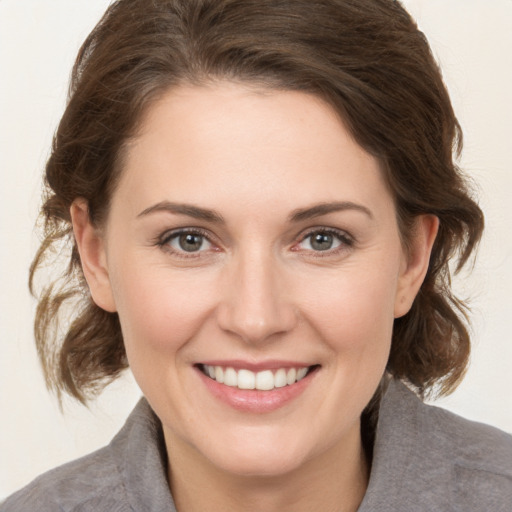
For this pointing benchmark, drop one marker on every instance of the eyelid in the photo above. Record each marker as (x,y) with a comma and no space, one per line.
(163,240)
(170,233)
(347,240)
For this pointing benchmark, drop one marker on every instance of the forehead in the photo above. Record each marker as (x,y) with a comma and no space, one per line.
(229,140)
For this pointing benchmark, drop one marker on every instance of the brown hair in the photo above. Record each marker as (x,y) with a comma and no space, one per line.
(366,58)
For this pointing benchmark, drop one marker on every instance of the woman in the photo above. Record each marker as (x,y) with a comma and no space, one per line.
(261,204)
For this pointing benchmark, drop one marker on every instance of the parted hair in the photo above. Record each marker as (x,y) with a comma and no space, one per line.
(366,58)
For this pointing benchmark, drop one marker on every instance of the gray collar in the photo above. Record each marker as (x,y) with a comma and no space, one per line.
(139,450)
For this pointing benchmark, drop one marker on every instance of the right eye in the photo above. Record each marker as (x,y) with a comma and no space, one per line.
(186,241)
(324,241)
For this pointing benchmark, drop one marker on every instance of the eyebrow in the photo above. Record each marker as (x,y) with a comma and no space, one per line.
(184,209)
(318,210)
(298,215)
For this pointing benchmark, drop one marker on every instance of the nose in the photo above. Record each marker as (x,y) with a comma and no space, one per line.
(255,305)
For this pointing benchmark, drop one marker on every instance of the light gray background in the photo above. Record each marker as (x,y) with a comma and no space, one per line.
(38,42)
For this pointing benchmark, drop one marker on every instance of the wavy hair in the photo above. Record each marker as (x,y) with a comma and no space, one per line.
(365,58)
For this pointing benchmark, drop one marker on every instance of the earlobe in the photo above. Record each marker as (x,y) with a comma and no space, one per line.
(416,263)
(92,256)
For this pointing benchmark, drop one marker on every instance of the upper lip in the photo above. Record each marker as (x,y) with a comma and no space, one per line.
(239,364)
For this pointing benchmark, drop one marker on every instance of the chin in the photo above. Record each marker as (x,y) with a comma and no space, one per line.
(260,465)
(262,456)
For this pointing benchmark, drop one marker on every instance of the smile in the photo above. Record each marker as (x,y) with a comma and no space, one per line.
(263,388)
(265,380)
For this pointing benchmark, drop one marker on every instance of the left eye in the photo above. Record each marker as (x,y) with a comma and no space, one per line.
(189,242)
(322,241)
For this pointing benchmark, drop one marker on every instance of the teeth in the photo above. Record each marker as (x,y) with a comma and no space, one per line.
(219,374)
(265,380)
(280,378)
(230,377)
(291,376)
(246,379)
(301,373)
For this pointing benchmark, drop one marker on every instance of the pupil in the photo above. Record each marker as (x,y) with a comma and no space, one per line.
(190,242)
(321,242)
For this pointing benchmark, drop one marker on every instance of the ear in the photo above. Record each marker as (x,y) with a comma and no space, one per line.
(416,262)
(91,247)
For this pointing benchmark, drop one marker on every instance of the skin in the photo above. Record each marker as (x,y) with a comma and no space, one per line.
(256,290)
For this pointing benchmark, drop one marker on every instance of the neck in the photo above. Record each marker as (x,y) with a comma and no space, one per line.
(334,481)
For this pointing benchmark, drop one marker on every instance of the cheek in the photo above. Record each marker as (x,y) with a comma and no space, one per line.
(354,319)
(159,311)
(354,309)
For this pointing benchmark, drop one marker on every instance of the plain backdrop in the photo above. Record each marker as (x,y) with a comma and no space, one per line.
(39,39)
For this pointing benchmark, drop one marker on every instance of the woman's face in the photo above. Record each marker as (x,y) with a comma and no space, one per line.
(252,240)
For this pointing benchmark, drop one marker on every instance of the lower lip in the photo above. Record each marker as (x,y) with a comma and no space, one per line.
(253,400)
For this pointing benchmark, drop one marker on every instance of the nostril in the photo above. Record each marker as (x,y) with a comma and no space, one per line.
(256,320)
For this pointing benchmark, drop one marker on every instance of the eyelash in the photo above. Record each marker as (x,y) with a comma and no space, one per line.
(164,240)
(346,241)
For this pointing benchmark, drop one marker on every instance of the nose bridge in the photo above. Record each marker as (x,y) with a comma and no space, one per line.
(255,306)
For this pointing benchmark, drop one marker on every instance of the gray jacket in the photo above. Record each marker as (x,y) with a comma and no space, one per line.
(425,459)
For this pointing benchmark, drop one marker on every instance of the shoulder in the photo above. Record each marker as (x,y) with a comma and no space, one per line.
(480,457)
(427,458)
(471,444)
(127,475)
(92,483)
(448,435)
